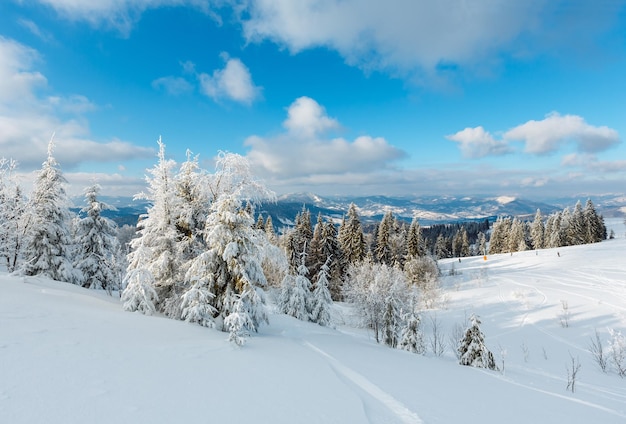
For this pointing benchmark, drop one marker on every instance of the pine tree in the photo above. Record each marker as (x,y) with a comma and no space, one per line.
(296,293)
(98,245)
(537,231)
(13,217)
(159,236)
(315,258)
(390,322)
(382,252)
(351,238)
(269,231)
(441,247)
(191,202)
(594,224)
(578,226)
(321,299)
(231,267)
(516,239)
(49,247)
(139,294)
(472,349)
(482,244)
(412,338)
(414,240)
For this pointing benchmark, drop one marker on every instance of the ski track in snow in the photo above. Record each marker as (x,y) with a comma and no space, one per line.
(404,414)
(559,396)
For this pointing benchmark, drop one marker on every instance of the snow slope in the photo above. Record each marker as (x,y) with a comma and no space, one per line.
(70,355)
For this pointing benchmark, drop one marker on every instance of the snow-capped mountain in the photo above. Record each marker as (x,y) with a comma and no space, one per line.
(428,209)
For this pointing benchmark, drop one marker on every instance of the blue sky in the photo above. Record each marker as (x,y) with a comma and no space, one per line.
(396,97)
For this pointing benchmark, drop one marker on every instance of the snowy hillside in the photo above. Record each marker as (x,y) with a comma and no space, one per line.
(71,355)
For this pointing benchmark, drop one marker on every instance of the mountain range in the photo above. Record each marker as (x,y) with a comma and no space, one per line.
(428,209)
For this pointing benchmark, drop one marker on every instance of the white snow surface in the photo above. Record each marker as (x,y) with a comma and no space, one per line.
(72,355)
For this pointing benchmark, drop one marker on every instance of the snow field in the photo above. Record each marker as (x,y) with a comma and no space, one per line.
(71,355)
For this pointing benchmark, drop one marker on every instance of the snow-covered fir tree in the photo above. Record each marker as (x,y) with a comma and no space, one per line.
(231,268)
(321,301)
(537,231)
(594,224)
(49,244)
(351,238)
(139,293)
(382,251)
(98,247)
(13,217)
(159,236)
(472,349)
(414,240)
(295,297)
(411,336)
(192,208)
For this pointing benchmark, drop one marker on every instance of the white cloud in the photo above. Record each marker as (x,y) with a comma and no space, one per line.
(18,82)
(477,143)
(425,39)
(303,151)
(307,118)
(549,134)
(233,82)
(28,119)
(172,85)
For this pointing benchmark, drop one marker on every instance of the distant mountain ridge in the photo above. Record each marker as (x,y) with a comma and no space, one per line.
(428,209)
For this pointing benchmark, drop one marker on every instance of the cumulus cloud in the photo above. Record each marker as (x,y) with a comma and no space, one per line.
(539,137)
(233,82)
(477,143)
(549,134)
(305,150)
(29,118)
(307,118)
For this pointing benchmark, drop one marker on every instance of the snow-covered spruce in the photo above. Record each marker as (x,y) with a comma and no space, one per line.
(230,269)
(321,299)
(411,337)
(472,349)
(48,250)
(98,247)
(295,297)
(13,217)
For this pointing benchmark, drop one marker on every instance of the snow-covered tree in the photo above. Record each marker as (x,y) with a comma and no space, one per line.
(537,231)
(414,240)
(472,349)
(594,224)
(191,209)
(13,217)
(482,244)
(295,297)
(411,337)
(49,247)
(377,290)
(139,293)
(351,238)
(269,231)
(321,300)
(382,251)
(159,236)
(98,247)
(231,266)
(517,238)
